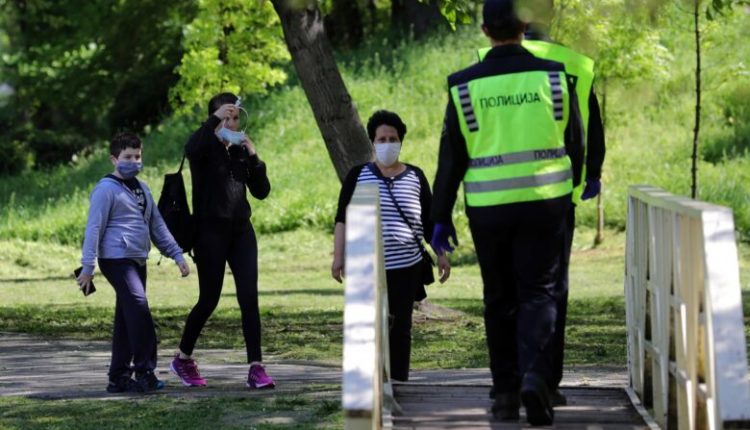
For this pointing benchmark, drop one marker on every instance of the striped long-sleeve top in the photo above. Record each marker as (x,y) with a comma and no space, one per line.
(412,192)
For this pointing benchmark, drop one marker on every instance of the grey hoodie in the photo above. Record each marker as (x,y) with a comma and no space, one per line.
(116,227)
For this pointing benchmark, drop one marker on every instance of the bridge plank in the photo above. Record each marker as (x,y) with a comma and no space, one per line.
(457,406)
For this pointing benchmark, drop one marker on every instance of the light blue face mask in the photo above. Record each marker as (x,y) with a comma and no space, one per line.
(233,137)
(129,169)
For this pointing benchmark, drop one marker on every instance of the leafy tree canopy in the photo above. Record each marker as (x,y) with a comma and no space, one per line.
(231,45)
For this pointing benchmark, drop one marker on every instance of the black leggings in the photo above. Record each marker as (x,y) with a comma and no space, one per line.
(216,245)
(402,288)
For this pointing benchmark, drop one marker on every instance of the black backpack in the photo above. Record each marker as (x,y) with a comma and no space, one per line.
(173,206)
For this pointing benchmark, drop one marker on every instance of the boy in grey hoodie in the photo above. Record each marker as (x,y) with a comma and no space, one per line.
(122,221)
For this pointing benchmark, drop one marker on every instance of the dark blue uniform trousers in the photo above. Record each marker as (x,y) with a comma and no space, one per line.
(520,252)
(134,335)
(557,343)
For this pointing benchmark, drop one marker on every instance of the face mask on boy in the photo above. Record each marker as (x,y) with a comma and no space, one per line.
(129,169)
(387,153)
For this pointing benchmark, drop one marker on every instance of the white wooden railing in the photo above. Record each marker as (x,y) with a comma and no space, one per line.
(367,394)
(686,341)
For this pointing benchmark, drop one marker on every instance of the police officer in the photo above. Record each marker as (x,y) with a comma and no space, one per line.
(513,135)
(581,69)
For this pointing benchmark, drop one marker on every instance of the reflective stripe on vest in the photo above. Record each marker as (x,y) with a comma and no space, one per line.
(516,183)
(517,157)
(514,126)
(465,99)
(576,64)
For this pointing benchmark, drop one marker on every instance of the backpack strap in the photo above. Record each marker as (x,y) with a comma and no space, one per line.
(184,154)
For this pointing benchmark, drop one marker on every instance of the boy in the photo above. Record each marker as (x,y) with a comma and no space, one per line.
(122,219)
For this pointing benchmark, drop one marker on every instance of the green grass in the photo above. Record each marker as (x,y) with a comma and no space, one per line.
(301,306)
(298,411)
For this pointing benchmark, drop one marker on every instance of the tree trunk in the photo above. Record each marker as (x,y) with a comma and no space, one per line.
(332,106)
(696,130)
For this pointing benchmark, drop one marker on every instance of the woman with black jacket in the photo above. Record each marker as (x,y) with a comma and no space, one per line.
(223,162)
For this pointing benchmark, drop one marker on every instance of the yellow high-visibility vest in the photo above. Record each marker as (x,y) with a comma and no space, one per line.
(514,126)
(577,65)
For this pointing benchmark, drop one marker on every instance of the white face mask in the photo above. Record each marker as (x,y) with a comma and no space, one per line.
(387,153)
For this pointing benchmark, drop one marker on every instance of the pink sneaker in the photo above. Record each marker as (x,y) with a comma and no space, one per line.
(258,378)
(187,371)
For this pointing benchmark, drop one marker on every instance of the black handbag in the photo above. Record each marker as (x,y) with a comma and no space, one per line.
(428,276)
(173,206)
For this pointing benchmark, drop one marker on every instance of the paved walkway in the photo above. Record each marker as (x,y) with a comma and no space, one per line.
(57,369)
(67,369)
(54,369)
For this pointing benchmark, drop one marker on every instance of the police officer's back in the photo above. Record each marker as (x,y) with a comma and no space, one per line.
(512,134)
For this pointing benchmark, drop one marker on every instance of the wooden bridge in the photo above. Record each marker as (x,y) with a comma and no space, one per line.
(687,363)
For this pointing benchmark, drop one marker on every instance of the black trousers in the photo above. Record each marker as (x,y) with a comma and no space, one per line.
(216,245)
(133,335)
(557,343)
(520,253)
(403,285)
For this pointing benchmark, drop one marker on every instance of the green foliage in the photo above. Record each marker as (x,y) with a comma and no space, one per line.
(648,136)
(717,8)
(81,70)
(625,45)
(458,12)
(231,45)
(733,141)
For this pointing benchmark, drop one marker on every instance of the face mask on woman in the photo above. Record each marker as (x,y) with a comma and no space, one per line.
(387,153)
(129,169)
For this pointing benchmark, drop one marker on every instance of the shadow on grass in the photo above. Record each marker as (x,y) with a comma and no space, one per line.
(302,410)
(309,335)
(595,333)
(48,278)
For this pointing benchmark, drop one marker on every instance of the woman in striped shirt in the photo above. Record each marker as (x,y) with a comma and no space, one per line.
(404,193)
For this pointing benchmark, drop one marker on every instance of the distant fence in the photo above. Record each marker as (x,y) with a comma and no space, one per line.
(686,340)
(367,394)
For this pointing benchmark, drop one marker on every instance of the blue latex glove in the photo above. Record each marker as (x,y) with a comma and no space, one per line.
(440,234)
(593,187)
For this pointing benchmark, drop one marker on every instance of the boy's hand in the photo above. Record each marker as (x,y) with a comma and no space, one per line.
(226,111)
(84,281)
(184,268)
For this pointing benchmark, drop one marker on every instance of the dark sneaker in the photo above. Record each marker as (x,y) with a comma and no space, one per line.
(556,398)
(506,406)
(187,371)
(123,384)
(148,382)
(536,400)
(258,378)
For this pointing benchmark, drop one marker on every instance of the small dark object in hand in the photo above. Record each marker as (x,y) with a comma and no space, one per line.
(85,291)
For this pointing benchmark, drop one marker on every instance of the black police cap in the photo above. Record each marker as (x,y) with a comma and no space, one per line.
(498,10)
